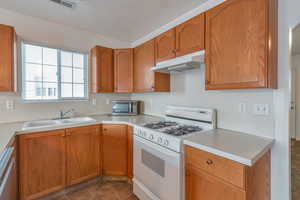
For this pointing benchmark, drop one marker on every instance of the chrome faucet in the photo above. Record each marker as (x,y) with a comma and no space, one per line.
(62,114)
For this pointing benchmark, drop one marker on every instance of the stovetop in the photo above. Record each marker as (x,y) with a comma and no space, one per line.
(173,128)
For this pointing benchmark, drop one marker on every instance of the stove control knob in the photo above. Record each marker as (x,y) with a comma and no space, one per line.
(166,142)
(159,140)
(151,137)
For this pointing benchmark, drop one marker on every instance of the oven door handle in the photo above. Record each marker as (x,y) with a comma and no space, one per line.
(155,147)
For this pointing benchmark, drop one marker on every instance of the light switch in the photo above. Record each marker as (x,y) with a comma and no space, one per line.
(242,107)
(107,101)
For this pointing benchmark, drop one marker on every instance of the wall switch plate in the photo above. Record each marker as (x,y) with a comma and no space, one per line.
(94,101)
(261,109)
(107,101)
(242,107)
(10,104)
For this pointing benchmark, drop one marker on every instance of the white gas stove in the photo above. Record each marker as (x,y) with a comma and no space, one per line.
(178,123)
(158,153)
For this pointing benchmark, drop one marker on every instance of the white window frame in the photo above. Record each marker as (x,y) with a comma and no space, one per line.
(59,83)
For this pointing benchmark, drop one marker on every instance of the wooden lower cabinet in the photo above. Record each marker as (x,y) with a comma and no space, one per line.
(42,163)
(83,153)
(201,185)
(207,179)
(114,149)
(130,152)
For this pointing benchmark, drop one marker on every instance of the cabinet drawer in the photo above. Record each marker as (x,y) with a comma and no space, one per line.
(230,171)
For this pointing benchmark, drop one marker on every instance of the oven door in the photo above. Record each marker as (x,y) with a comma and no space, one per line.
(157,171)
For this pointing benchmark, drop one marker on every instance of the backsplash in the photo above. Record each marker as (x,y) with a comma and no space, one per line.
(33,111)
(188,89)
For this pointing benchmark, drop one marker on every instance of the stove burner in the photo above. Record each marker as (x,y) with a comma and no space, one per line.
(159,125)
(182,130)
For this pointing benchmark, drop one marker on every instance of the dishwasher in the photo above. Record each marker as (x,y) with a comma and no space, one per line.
(8,175)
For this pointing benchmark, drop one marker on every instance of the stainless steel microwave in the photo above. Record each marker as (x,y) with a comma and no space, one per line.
(125,107)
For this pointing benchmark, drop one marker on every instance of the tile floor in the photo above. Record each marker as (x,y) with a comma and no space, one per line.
(296,170)
(101,190)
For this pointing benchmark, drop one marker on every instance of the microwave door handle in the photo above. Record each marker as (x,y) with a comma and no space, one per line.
(130,108)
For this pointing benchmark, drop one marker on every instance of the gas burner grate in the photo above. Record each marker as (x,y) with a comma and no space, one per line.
(159,125)
(182,130)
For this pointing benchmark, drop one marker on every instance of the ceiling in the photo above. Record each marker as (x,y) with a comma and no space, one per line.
(296,40)
(125,20)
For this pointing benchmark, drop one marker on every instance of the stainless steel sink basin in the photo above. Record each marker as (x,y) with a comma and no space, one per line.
(76,120)
(55,123)
(42,123)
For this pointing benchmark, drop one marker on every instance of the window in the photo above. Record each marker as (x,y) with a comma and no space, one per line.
(53,74)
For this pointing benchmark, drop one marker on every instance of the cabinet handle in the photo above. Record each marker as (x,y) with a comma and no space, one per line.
(68,134)
(63,135)
(104,129)
(209,162)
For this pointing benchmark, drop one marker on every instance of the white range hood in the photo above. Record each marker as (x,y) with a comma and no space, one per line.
(179,64)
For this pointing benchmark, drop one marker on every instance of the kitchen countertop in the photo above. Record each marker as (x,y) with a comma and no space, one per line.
(237,146)
(240,147)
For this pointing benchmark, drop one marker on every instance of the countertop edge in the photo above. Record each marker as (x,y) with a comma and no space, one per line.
(230,156)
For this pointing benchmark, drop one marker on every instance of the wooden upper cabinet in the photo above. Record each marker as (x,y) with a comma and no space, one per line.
(144,79)
(42,163)
(83,153)
(7,58)
(114,149)
(123,70)
(165,45)
(102,69)
(190,36)
(241,45)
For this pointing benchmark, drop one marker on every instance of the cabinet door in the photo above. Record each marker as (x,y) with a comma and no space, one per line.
(190,36)
(237,45)
(144,60)
(42,163)
(7,58)
(165,45)
(114,149)
(102,69)
(202,186)
(130,152)
(83,153)
(123,66)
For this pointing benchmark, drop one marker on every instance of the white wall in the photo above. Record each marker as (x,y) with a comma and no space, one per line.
(188,89)
(296,66)
(55,35)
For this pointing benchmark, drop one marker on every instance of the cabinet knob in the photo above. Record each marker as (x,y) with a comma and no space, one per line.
(63,135)
(104,129)
(209,162)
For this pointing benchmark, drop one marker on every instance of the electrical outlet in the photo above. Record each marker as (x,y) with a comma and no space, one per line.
(10,104)
(242,107)
(261,109)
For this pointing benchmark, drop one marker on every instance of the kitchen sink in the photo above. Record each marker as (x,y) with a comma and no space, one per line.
(76,120)
(56,122)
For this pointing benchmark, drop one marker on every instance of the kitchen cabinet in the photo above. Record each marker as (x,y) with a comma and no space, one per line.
(114,149)
(102,69)
(42,163)
(144,79)
(123,70)
(212,177)
(8,58)
(241,45)
(130,152)
(190,36)
(83,153)
(165,45)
